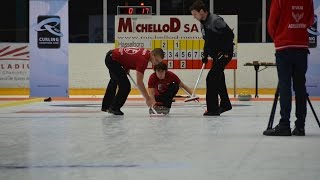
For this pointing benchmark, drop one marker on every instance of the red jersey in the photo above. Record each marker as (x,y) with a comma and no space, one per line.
(288,23)
(161,85)
(132,58)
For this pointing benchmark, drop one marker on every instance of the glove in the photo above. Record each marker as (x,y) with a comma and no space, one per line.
(204,59)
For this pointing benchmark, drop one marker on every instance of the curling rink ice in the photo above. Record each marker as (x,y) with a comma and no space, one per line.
(74,140)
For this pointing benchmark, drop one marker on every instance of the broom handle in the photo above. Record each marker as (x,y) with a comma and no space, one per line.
(195,87)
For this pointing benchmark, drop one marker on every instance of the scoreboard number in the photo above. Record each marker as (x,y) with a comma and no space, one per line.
(183,64)
(170,64)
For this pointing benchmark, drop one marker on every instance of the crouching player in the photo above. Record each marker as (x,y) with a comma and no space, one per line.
(163,85)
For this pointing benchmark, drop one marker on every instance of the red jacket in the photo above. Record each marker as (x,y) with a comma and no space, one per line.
(288,23)
(132,58)
(161,85)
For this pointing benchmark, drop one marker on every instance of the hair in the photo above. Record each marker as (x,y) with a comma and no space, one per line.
(198,5)
(161,66)
(158,52)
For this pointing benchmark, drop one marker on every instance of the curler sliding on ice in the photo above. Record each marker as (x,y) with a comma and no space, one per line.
(163,85)
(152,111)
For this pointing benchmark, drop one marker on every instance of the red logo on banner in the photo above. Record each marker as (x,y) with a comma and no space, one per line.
(20,53)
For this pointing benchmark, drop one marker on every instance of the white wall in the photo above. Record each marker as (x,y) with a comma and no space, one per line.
(248,52)
(87,69)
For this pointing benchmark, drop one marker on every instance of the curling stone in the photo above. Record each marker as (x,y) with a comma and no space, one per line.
(244,97)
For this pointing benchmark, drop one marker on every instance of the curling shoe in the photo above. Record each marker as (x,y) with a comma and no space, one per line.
(278,131)
(298,131)
(222,109)
(209,113)
(115,111)
(105,109)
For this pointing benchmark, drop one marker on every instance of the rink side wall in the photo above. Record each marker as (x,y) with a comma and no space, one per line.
(87,69)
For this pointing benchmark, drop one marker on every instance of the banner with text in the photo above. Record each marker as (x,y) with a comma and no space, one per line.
(313,73)
(48,48)
(179,36)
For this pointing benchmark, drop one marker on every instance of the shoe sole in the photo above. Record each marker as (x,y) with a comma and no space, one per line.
(212,115)
(298,134)
(111,112)
(225,110)
(276,134)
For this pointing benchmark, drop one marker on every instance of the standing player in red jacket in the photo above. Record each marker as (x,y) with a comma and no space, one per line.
(119,61)
(163,85)
(287,26)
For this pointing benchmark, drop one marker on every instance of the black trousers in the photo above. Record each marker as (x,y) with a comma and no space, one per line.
(216,84)
(167,97)
(292,65)
(118,79)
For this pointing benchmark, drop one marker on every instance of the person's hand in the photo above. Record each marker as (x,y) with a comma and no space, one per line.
(204,59)
(150,102)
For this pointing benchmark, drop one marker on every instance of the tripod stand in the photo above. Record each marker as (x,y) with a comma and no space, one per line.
(274,107)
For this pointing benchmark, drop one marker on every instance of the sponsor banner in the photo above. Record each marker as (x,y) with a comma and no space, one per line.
(178,36)
(313,73)
(14,65)
(48,42)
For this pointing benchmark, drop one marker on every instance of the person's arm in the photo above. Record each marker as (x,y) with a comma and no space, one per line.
(310,15)
(151,93)
(182,85)
(149,101)
(204,55)
(273,20)
(151,86)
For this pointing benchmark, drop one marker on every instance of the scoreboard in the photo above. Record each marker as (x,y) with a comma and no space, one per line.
(178,36)
(183,54)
